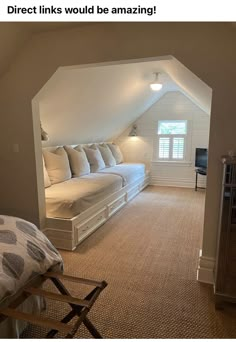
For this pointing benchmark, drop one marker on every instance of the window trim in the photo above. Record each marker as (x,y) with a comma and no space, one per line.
(180,120)
(172,162)
(171,137)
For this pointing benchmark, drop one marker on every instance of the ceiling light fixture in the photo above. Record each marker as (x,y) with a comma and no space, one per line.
(156,85)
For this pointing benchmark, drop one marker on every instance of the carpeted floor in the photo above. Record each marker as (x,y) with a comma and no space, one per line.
(148,254)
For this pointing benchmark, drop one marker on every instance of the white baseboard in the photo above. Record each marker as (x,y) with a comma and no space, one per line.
(205,272)
(176,182)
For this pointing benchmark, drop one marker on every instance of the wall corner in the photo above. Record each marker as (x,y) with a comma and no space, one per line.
(205,271)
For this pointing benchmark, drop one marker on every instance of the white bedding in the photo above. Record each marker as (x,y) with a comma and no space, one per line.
(25,252)
(130,172)
(70,198)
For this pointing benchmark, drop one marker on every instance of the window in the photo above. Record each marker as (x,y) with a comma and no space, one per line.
(172,140)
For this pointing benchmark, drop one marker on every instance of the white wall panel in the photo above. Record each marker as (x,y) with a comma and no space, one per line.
(142,148)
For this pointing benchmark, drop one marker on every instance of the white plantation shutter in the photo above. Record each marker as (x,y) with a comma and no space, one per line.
(171,140)
(164,148)
(178,148)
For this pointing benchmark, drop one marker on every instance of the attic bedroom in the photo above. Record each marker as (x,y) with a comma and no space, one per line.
(74,105)
(120,184)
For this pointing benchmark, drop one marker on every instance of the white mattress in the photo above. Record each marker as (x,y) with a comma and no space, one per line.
(130,172)
(70,198)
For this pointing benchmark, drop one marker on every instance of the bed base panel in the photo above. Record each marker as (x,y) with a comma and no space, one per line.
(69,233)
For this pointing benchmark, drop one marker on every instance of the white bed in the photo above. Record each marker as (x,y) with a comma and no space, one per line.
(129,172)
(70,198)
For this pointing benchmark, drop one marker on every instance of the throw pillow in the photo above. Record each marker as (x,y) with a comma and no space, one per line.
(107,156)
(47,181)
(78,161)
(57,165)
(117,154)
(95,158)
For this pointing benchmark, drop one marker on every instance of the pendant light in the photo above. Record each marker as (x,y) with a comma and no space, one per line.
(156,85)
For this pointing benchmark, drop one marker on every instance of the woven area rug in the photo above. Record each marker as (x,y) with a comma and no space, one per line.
(148,253)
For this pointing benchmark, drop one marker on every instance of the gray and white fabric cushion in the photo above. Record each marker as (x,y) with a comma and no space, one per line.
(117,154)
(47,181)
(57,165)
(25,252)
(78,161)
(107,156)
(95,158)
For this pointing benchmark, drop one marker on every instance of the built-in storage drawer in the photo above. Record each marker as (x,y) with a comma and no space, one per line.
(84,229)
(56,233)
(116,205)
(144,184)
(132,192)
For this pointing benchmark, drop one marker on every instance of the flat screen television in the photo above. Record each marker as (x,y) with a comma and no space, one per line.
(201,157)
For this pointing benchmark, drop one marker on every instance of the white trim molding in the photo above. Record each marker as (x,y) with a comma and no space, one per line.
(205,271)
(175,182)
(172,163)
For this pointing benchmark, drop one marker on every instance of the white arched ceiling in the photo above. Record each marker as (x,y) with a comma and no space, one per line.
(96,103)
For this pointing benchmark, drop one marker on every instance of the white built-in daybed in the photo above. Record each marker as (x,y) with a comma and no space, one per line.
(84,186)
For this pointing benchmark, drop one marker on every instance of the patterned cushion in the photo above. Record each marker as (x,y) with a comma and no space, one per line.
(25,252)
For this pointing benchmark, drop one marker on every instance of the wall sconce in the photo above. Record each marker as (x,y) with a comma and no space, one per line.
(156,85)
(133,132)
(44,135)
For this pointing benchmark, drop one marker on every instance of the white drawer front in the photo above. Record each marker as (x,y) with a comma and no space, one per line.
(86,228)
(58,234)
(144,184)
(133,192)
(116,205)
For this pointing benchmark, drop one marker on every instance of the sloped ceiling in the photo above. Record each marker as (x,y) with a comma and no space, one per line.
(95,103)
(13,37)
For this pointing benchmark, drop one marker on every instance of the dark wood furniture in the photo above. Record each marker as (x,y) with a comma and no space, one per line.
(199,171)
(225,270)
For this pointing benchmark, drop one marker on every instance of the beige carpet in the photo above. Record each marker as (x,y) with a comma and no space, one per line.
(148,254)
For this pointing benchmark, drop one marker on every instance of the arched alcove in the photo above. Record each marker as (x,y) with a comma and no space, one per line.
(89,103)
(196,45)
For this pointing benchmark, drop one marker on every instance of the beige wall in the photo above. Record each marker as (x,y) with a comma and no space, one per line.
(208,50)
(12,37)
(144,147)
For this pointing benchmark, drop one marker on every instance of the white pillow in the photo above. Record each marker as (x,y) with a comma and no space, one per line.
(107,156)
(57,165)
(95,158)
(117,154)
(47,181)
(78,161)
